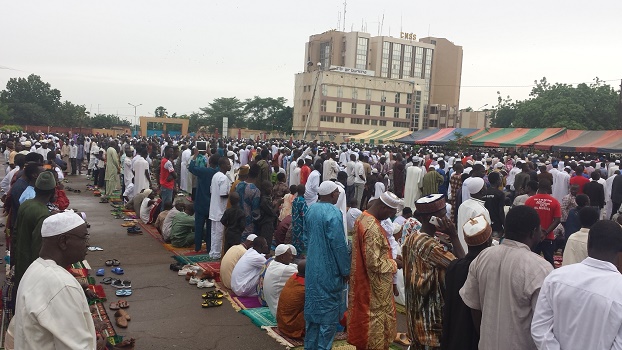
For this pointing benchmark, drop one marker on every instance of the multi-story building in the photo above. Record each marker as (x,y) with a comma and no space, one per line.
(354,82)
(474,119)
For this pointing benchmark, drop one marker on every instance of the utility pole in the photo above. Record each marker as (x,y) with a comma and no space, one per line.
(135,121)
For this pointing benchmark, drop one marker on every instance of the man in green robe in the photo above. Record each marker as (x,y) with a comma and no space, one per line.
(182,229)
(431,181)
(30,217)
(113,168)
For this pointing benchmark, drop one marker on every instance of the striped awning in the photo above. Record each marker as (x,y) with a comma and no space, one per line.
(588,141)
(442,136)
(379,136)
(514,137)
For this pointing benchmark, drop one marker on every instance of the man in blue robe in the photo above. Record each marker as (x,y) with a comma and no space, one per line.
(202,199)
(328,268)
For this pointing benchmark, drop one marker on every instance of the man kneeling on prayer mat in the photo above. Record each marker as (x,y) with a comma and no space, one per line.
(51,309)
(290,315)
(231,258)
(277,273)
(182,229)
(245,275)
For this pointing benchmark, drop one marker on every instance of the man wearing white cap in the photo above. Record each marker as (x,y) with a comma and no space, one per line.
(414,183)
(472,207)
(277,273)
(371,308)
(328,264)
(231,258)
(459,331)
(51,308)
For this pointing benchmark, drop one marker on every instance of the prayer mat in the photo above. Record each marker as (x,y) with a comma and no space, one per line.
(178,251)
(238,303)
(187,260)
(260,316)
(98,289)
(151,230)
(276,334)
(213,266)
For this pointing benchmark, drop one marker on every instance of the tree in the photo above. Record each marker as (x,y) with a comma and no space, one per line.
(69,115)
(5,113)
(459,143)
(591,107)
(262,112)
(230,107)
(160,112)
(106,121)
(32,100)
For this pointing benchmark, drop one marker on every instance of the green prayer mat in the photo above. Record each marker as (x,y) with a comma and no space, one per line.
(260,316)
(191,259)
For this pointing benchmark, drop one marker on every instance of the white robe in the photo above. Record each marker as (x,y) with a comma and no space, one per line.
(608,202)
(185,180)
(139,166)
(561,184)
(414,181)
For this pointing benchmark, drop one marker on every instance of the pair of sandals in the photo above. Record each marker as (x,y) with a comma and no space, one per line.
(124,283)
(117,271)
(123,292)
(212,299)
(72,190)
(112,262)
(121,304)
(135,230)
(121,284)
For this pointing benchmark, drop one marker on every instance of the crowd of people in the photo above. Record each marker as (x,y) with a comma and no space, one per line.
(330,236)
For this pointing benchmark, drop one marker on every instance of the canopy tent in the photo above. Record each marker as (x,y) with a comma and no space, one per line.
(416,135)
(442,136)
(514,137)
(379,136)
(588,141)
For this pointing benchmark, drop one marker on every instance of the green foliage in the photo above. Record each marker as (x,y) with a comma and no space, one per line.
(5,113)
(591,107)
(31,100)
(160,112)
(222,107)
(107,121)
(459,143)
(11,128)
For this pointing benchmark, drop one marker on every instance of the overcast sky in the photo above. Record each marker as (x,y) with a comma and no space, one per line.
(183,54)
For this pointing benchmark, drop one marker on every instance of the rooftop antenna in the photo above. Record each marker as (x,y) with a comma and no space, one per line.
(381,24)
(428,30)
(338,20)
(345,4)
(401,28)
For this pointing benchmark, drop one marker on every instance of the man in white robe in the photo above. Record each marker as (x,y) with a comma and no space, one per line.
(185,181)
(561,184)
(414,183)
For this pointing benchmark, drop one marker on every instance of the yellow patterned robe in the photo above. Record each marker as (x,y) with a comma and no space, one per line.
(371,309)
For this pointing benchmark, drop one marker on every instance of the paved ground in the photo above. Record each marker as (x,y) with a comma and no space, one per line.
(166,311)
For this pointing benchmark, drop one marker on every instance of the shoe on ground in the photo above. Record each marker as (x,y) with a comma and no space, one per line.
(194,280)
(205,283)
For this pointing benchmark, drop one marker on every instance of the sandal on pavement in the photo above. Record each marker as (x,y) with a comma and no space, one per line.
(121,284)
(100,272)
(211,303)
(122,313)
(214,294)
(95,249)
(121,322)
(128,224)
(114,306)
(117,271)
(112,262)
(126,344)
(123,304)
(107,280)
(123,292)
(402,339)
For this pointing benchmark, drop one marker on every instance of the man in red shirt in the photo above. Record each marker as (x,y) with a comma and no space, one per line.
(550,213)
(305,170)
(167,176)
(579,179)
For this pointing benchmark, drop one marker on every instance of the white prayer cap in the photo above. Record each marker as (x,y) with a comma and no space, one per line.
(27,143)
(374,171)
(327,187)
(499,165)
(390,199)
(475,184)
(60,223)
(147,192)
(396,228)
(281,249)
(618,161)
(293,249)
(230,154)
(478,162)
(476,231)
(37,143)
(308,157)
(251,237)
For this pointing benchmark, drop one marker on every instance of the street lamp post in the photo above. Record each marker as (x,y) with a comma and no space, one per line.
(135,120)
(485,116)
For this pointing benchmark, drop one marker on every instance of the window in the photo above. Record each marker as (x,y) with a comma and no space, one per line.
(325,54)
(304,117)
(338,107)
(409,99)
(382,111)
(304,88)
(367,109)
(408,57)
(366,122)
(353,109)
(324,90)
(433,123)
(383,123)
(323,106)
(339,91)
(327,118)
(304,103)
(374,122)
(396,112)
(418,62)
(384,68)
(383,97)
(355,94)
(401,124)
(340,119)
(368,94)
(397,97)
(408,113)
(361,53)
(395,61)
(356,121)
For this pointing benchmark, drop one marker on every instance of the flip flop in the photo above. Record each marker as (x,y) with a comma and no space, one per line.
(211,303)
(122,313)
(112,262)
(402,339)
(214,294)
(114,306)
(123,304)
(123,292)
(94,249)
(117,271)
(100,272)
(107,280)
(121,284)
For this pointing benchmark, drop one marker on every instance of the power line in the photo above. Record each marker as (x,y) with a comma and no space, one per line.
(515,86)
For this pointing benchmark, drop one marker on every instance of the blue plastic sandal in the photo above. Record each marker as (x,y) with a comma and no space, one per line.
(123,292)
(117,271)
(100,272)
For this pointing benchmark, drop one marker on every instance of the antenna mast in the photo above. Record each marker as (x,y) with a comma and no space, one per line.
(345,4)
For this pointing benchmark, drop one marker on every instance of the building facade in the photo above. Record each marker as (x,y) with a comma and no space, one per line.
(354,82)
